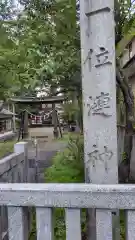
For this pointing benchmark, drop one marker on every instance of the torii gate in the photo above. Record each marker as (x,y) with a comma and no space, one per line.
(35,100)
(99,92)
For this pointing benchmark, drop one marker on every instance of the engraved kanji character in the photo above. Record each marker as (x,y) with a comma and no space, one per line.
(106,156)
(102,57)
(94,155)
(99,104)
(89,58)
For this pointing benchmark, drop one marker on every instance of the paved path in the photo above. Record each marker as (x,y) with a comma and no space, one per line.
(44,158)
(46,149)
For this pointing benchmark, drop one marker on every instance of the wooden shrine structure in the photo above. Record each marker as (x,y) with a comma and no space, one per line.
(42,103)
(6,119)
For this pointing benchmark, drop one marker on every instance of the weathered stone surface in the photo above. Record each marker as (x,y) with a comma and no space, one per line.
(7,136)
(13,169)
(99,90)
(130,225)
(17,169)
(17,228)
(103,225)
(44,223)
(73,224)
(11,161)
(69,195)
(99,94)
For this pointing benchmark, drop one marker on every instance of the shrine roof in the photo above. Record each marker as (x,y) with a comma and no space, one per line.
(6,114)
(33,100)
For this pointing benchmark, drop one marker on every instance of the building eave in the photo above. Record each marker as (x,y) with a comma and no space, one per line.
(129,62)
(124,43)
(31,101)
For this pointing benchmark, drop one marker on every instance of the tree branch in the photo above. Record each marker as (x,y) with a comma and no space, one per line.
(127,93)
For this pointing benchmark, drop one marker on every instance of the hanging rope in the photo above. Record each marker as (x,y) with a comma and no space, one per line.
(45,114)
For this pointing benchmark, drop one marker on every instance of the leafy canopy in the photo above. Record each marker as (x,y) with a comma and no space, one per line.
(40,44)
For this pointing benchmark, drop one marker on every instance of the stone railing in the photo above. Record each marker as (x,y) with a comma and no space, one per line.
(13,169)
(7,136)
(73,197)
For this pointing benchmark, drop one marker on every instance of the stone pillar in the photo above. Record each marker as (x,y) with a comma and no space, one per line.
(99,93)
(27,212)
(19,148)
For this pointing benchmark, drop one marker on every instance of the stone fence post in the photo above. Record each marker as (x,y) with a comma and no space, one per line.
(19,148)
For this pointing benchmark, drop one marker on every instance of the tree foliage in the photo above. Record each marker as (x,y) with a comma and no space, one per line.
(40,44)
(124,17)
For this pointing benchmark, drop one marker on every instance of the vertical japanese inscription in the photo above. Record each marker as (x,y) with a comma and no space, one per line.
(99,70)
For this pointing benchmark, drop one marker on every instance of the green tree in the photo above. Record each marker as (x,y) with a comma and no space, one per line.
(124,17)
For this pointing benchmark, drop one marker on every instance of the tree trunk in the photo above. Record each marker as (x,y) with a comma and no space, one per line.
(129,104)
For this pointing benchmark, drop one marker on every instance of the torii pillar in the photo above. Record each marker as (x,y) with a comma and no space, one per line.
(14,122)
